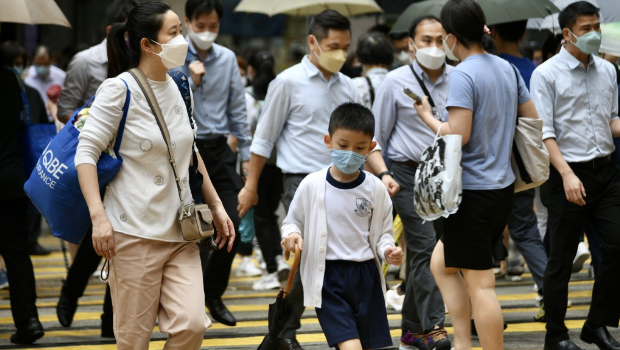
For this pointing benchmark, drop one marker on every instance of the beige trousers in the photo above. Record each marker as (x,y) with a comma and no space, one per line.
(151,278)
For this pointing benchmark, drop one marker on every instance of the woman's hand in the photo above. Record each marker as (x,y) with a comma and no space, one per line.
(424,109)
(103,236)
(223,226)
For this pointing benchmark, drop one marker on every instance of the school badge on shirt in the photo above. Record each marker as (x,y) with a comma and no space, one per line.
(364,207)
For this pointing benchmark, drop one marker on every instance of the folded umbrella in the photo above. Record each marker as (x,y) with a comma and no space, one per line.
(280,311)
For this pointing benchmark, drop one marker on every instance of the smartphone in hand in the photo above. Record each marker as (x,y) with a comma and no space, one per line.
(410,93)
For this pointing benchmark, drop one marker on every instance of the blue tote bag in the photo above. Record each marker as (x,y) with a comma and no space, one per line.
(53,185)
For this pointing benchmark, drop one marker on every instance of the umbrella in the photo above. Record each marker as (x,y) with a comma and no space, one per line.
(308,7)
(496,11)
(610,12)
(280,311)
(611,39)
(32,12)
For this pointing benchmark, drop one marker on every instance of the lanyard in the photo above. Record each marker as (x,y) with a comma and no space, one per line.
(423,86)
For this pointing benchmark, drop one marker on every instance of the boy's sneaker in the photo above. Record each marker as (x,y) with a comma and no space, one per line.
(267,281)
(283,268)
(393,299)
(246,268)
(412,341)
(438,339)
(4,279)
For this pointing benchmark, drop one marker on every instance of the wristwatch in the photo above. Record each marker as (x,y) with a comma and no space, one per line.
(382,174)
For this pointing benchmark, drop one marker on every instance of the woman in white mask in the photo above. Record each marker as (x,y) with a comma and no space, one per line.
(154,273)
(485,95)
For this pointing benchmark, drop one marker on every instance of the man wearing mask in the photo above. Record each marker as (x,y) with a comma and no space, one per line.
(575,93)
(400,43)
(405,136)
(87,70)
(295,117)
(42,74)
(219,110)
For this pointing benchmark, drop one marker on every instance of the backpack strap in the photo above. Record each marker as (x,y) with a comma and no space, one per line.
(183,84)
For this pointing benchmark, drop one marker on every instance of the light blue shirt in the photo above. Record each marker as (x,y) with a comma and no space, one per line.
(219,101)
(296,114)
(487,85)
(397,124)
(576,105)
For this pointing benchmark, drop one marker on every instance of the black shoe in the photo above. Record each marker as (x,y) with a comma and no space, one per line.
(474,332)
(37,249)
(107,326)
(562,345)
(289,344)
(220,313)
(65,310)
(28,333)
(599,336)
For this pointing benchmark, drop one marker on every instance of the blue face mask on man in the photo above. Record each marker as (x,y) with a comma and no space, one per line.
(589,43)
(347,161)
(42,71)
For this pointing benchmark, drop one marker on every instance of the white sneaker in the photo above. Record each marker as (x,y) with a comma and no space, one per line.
(283,268)
(259,258)
(583,254)
(246,268)
(394,300)
(267,281)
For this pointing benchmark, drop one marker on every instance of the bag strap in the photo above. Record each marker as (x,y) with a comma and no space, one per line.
(371,89)
(25,114)
(423,86)
(515,151)
(121,125)
(152,100)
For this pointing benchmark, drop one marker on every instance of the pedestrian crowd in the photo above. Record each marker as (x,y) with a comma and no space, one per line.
(340,154)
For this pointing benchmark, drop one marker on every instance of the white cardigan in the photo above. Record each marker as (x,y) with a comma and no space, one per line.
(142,200)
(307,216)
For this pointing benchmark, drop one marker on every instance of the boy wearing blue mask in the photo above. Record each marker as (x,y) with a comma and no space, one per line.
(342,218)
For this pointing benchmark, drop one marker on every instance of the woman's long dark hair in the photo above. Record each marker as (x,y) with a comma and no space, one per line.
(465,20)
(263,64)
(144,21)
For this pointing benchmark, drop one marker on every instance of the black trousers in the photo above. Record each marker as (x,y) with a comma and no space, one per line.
(220,162)
(268,235)
(14,250)
(84,265)
(567,222)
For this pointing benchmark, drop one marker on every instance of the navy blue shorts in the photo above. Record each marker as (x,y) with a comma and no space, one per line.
(353,306)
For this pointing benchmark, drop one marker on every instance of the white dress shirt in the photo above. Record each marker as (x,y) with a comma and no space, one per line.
(296,114)
(576,105)
(398,126)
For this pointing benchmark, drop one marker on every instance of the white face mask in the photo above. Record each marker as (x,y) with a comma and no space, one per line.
(404,57)
(173,52)
(430,57)
(202,40)
(449,51)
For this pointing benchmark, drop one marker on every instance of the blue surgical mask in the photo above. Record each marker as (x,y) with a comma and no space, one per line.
(19,69)
(42,70)
(588,43)
(347,161)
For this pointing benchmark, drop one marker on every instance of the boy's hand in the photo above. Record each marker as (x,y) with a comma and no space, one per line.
(394,255)
(288,244)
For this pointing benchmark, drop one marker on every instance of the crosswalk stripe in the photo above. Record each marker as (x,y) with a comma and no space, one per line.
(305,338)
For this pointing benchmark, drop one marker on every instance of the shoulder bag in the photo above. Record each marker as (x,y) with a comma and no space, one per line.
(196,220)
(530,158)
